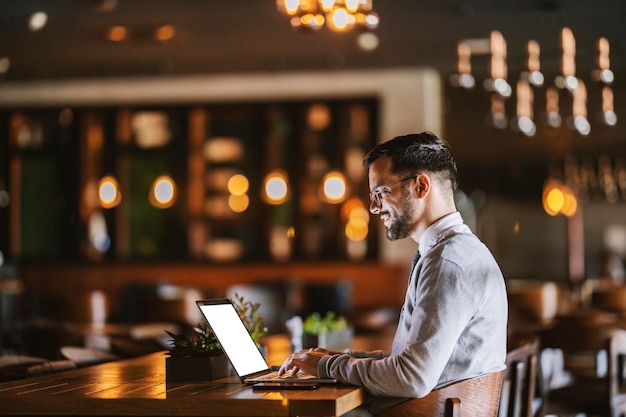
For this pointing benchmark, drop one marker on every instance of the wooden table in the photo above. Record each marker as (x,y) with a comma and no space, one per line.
(137,387)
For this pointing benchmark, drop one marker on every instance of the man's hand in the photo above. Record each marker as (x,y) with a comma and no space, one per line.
(328,351)
(305,360)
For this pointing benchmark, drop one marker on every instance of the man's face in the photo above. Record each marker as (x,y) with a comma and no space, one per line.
(392,201)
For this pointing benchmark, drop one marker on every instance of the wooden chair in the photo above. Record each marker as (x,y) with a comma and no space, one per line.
(517,398)
(596,391)
(610,298)
(475,397)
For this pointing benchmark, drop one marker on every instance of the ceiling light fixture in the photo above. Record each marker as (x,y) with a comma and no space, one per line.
(337,15)
(37,21)
(567,84)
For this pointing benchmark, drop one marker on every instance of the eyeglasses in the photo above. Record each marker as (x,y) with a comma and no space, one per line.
(381,191)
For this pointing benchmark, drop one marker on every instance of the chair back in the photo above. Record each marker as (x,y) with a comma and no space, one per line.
(519,385)
(593,363)
(617,379)
(474,397)
(582,340)
(610,299)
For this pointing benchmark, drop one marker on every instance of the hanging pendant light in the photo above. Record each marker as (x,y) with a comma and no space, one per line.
(337,15)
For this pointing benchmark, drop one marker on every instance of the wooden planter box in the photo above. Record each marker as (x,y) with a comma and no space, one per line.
(339,340)
(197,368)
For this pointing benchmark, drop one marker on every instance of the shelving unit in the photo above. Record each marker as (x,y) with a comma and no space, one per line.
(57,158)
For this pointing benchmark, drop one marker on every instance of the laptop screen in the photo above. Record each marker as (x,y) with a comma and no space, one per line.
(233,336)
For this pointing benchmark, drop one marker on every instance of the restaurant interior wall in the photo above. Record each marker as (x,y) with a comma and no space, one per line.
(399,101)
(201,147)
(501,170)
(504,173)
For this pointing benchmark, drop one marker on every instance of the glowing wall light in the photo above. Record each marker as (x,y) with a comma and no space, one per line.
(357,218)
(109,192)
(276,187)
(238,186)
(334,187)
(238,203)
(163,192)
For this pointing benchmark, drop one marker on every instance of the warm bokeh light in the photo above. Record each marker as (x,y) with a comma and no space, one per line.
(224,250)
(5,63)
(109,192)
(339,15)
(165,33)
(163,192)
(569,205)
(357,217)
(238,203)
(281,243)
(291,6)
(151,129)
(223,149)
(37,21)
(360,213)
(318,117)
(116,33)
(356,229)
(349,206)
(276,187)
(558,198)
(339,20)
(367,41)
(555,200)
(238,184)
(334,187)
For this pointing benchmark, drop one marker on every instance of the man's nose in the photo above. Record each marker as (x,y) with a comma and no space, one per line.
(374,208)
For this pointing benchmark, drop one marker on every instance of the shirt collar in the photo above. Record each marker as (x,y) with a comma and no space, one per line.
(435,232)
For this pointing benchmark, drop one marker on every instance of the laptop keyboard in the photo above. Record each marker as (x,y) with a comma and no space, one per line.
(287,375)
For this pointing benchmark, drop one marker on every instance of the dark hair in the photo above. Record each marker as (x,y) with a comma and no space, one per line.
(416,152)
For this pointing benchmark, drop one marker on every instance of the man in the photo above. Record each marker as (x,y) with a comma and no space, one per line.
(453,322)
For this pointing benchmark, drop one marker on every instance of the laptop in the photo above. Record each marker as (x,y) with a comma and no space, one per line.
(239,347)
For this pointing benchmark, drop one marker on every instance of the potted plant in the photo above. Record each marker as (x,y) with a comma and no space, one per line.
(252,318)
(196,354)
(330,331)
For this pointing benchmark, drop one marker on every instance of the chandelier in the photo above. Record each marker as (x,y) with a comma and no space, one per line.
(567,86)
(337,15)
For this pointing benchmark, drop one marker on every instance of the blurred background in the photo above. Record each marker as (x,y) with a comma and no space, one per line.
(158,150)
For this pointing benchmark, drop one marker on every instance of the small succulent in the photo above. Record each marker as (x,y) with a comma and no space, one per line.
(316,324)
(200,340)
(197,341)
(253,320)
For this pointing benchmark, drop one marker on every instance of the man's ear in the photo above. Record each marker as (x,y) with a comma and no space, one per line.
(422,185)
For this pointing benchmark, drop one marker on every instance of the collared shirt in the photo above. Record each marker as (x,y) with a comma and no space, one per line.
(452,325)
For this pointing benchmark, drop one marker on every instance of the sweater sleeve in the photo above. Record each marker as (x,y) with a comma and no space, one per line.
(436,312)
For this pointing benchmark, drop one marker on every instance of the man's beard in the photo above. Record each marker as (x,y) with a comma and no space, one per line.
(400,227)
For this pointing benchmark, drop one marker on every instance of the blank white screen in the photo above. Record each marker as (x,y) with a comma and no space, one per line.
(234,338)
